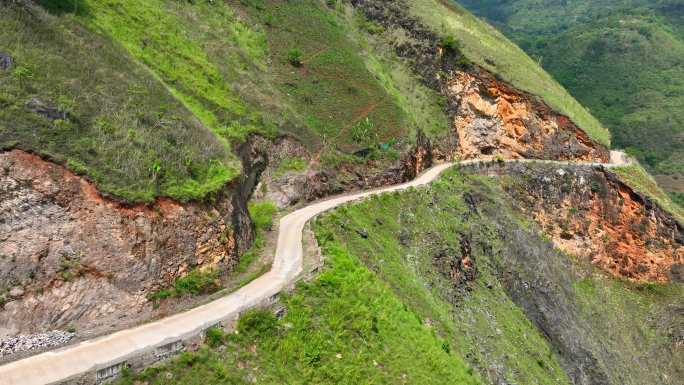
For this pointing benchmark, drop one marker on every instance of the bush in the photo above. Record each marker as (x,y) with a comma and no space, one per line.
(214,337)
(294,57)
(257,323)
(197,282)
(364,132)
(449,44)
(262,214)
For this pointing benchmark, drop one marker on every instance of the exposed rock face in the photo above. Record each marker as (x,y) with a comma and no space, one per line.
(6,61)
(491,118)
(292,187)
(43,108)
(69,256)
(590,213)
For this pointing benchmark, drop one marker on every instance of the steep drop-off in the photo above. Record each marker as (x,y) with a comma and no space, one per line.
(462,254)
(488,116)
(593,215)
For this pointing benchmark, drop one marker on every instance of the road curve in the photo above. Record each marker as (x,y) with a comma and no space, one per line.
(69,362)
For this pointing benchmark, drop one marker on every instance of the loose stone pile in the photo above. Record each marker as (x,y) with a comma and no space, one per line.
(24,343)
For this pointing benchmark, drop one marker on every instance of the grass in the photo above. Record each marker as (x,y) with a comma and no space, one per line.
(388,279)
(170,38)
(329,87)
(414,237)
(640,180)
(287,165)
(485,46)
(483,325)
(124,130)
(345,327)
(648,311)
(262,214)
(196,282)
(423,106)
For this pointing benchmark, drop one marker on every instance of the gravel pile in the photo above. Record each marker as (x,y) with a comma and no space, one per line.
(21,343)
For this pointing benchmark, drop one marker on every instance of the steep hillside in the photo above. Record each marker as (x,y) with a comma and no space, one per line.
(148,146)
(462,265)
(622,59)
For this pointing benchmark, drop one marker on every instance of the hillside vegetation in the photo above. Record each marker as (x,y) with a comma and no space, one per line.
(153,98)
(394,273)
(622,59)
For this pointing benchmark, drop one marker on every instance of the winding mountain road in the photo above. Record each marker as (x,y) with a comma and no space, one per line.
(104,355)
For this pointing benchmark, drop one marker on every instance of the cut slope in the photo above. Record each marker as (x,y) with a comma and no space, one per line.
(488,48)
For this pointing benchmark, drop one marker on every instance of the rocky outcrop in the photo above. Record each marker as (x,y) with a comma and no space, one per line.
(493,119)
(6,61)
(489,117)
(290,187)
(71,257)
(592,214)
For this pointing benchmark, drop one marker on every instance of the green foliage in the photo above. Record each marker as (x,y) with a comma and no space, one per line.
(78,7)
(122,119)
(196,282)
(423,106)
(262,214)
(344,327)
(214,337)
(364,132)
(449,44)
(294,164)
(259,323)
(335,89)
(294,57)
(405,232)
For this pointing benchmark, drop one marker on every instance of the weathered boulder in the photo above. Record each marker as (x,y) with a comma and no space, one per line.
(6,61)
(46,109)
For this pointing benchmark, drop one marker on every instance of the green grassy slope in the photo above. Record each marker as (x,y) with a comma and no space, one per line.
(415,240)
(168,88)
(124,129)
(388,310)
(158,69)
(487,47)
(345,327)
(622,59)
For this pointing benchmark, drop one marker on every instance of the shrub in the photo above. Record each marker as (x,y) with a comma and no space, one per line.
(449,44)
(294,57)
(197,282)
(215,337)
(364,132)
(262,214)
(257,323)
